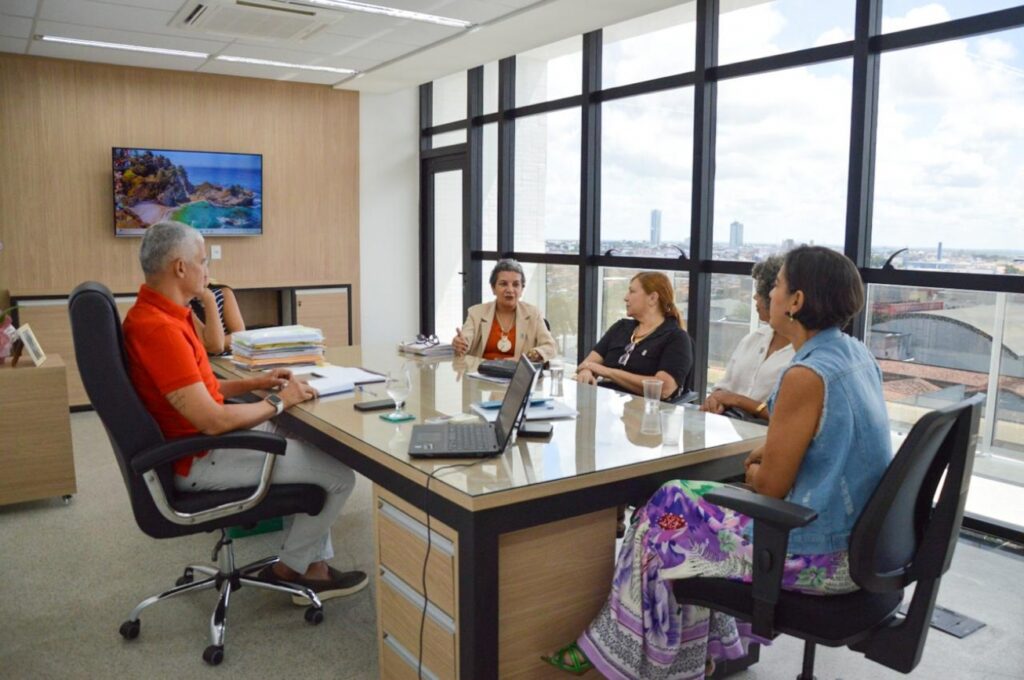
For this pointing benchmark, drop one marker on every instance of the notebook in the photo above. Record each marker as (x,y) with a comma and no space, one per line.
(452,440)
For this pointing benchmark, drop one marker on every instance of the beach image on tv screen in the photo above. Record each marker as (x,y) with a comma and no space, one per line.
(219,194)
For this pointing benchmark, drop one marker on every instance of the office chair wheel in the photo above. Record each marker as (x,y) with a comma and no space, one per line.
(130,629)
(213,654)
(314,615)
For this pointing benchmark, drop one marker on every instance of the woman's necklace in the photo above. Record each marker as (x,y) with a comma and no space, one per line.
(637,336)
(504,344)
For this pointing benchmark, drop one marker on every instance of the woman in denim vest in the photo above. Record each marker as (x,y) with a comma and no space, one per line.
(827,447)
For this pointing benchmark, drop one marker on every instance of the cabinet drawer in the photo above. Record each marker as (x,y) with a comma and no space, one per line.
(401,610)
(397,663)
(402,543)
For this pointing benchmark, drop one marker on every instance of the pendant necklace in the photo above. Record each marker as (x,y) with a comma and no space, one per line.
(504,344)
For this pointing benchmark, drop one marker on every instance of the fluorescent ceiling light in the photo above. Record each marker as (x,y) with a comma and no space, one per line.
(284,64)
(122,46)
(391,12)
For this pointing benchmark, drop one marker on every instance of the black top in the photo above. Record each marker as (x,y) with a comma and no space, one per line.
(667,348)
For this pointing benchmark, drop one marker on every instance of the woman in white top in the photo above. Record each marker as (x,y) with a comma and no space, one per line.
(755,366)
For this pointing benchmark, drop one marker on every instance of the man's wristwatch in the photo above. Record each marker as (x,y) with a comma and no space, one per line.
(762,406)
(275,401)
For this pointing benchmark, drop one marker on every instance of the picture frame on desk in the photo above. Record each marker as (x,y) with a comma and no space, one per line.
(28,339)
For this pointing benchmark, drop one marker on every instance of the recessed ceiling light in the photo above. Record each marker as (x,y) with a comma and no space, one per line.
(284,64)
(392,12)
(122,46)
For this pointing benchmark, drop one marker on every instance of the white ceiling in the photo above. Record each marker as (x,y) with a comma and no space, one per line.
(390,53)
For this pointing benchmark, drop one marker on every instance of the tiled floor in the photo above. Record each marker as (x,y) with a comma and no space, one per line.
(72,573)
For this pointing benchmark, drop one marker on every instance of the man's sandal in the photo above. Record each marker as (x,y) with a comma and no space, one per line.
(570,659)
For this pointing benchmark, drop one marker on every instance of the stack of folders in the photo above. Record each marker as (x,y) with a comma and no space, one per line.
(426,348)
(278,346)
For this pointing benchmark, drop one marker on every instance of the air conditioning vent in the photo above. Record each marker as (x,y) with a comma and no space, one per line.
(269,20)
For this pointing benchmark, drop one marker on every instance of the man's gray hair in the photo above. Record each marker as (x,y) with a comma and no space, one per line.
(764,273)
(163,242)
(507,265)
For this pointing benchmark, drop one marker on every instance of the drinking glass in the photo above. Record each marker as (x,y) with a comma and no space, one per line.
(398,387)
(557,373)
(652,395)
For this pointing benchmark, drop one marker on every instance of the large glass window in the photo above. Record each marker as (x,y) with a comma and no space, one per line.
(748,30)
(899,15)
(646,166)
(448,98)
(614,284)
(934,346)
(489,240)
(950,156)
(1009,412)
(555,290)
(550,72)
(547,182)
(490,87)
(732,317)
(781,161)
(648,47)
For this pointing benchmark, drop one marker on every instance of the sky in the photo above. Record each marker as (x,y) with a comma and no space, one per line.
(950,151)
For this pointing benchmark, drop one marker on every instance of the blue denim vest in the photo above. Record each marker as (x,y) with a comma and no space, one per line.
(851,449)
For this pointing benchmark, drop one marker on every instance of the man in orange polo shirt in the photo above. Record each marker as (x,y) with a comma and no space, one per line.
(169,368)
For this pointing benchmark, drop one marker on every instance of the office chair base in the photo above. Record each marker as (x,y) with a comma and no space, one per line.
(226,579)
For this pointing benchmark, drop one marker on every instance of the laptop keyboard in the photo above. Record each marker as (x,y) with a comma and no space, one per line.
(470,437)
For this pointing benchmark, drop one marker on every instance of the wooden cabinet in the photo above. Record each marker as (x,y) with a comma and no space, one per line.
(328,309)
(52,326)
(36,457)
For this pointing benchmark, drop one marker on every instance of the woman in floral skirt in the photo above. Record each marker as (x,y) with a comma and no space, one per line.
(827,447)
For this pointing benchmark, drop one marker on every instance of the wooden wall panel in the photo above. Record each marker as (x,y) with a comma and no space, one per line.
(59,120)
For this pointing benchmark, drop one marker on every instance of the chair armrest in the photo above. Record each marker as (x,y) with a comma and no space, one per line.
(773,520)
(763,508)
(174,449)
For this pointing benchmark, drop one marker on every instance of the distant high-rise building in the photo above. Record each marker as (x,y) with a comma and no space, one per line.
(655,227)
(938,255)
(735,234)
(787,245)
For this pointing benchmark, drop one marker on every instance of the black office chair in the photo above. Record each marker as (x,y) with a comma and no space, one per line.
(686,393)
(900,538)
(145,459)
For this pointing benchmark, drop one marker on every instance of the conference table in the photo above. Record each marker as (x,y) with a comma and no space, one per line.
(514,552)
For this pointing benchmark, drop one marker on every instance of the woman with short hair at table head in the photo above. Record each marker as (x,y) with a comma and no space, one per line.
(506,327)
(757,361)
(826,448)
(216,316)
(650,345)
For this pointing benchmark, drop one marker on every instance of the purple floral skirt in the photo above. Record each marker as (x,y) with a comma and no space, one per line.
(641,632)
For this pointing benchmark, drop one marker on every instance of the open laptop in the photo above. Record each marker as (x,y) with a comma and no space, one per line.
(452,440)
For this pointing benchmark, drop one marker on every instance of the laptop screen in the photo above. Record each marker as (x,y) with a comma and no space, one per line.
(516,396)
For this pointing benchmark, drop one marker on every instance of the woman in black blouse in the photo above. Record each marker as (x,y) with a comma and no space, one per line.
(650,345)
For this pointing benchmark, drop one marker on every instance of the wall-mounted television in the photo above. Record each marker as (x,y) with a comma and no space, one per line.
(220,194)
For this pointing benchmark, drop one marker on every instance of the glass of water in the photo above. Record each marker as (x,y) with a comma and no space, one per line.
(398,386)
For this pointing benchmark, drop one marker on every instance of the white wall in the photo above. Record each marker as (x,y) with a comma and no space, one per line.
(389,216)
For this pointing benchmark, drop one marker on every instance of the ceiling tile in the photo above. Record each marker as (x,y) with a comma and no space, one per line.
(378,50)
(164,5)
(363,25)
(270,73)
(15,27)
(284,54)
(104,56)
(419,34)
(119,17)
(467,10)
(146,39)
(19,8)
(17,45)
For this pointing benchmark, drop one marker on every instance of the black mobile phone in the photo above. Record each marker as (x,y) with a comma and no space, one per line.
(376,405)
(535,429)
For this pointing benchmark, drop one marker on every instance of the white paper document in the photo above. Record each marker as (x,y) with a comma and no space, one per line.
(549,410)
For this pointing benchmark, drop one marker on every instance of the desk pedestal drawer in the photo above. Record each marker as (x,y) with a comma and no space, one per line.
(401,610)
(402,550)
